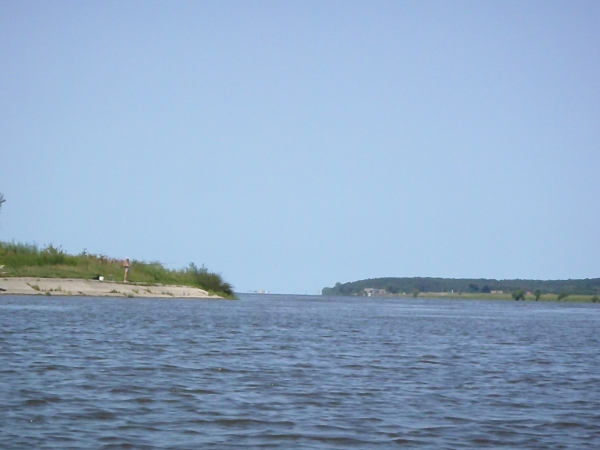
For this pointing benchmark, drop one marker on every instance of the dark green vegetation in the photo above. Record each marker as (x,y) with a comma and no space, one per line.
(519,294)
(482,288)
(26,260)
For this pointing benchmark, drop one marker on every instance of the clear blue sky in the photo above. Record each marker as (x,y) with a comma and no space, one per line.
(293,144)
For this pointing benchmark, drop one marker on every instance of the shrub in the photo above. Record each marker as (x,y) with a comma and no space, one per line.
(518,295)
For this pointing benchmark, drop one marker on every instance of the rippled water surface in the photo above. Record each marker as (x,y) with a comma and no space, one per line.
(297,372)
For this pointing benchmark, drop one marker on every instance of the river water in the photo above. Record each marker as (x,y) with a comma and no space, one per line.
(297,372)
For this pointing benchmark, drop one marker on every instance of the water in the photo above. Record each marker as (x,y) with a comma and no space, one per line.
(297,372)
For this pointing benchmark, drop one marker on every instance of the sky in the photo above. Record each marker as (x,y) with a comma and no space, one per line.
(292,145)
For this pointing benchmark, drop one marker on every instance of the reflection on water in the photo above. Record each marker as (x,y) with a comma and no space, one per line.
(297,372)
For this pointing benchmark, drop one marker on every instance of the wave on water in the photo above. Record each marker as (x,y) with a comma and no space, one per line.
(297,372)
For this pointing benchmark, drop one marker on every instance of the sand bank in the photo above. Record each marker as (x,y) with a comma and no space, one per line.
(94,288)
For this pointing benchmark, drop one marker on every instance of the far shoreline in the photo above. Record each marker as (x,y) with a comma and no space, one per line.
(478,296)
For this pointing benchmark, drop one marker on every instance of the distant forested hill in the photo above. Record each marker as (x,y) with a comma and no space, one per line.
(589,286)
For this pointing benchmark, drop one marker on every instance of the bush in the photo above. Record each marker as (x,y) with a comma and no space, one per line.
(473,287)
(392,289)
(561,296)
(519,295)
(210,281)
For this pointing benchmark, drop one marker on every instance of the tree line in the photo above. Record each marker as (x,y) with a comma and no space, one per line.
(588,286)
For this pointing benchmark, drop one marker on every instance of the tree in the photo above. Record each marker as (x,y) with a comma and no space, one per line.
(392,289)
(595,298)
(473,287)
(562,295)
(415,293)
(537,294)
(518,295)
(486,289)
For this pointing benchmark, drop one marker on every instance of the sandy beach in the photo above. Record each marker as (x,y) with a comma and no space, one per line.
(95,288)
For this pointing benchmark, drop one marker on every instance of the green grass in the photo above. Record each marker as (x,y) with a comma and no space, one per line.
(27,260)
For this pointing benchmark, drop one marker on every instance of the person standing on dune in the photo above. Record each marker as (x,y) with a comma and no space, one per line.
(126,266)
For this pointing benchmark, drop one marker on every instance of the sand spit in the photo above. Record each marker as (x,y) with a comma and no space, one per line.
(95,288)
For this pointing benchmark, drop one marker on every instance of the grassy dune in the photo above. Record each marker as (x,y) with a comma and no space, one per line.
(27,260)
